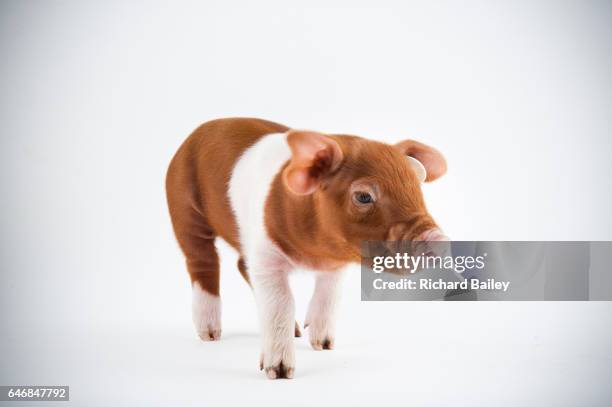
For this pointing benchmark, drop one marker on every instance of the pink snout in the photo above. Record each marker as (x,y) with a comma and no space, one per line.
(431,243)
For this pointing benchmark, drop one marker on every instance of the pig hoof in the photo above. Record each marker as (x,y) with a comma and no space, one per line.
(277,363)
(212,335)
(324,344)
(206,313)
(320,337)
(298,332)
(279,371)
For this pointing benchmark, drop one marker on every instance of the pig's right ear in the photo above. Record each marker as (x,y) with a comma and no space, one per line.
(313,156)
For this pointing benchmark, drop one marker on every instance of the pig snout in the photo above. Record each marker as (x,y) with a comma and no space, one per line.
(432,242)
(425,237)
(421,228)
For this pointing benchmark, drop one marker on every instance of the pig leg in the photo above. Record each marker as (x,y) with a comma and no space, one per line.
(321,316)
(206,303)
(197,241)
(203,267)
(244,273)
(276,316)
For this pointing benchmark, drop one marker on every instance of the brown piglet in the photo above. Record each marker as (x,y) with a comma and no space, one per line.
(286,198)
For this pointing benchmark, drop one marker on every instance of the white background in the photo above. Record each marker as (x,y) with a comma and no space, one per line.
(97,97)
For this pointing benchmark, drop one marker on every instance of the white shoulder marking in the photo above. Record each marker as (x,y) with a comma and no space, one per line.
(250,185)
(268,266)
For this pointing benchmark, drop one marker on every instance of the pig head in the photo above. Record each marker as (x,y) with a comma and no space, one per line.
(337,191)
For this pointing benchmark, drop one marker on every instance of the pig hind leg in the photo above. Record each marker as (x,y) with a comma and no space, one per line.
(197,240)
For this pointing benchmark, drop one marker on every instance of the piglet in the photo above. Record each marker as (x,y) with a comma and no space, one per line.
(287,198)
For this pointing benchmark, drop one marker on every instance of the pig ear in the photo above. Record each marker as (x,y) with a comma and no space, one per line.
(313,156)
(429,157)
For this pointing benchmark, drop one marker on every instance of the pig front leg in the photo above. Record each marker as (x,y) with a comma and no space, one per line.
(321,316)
(277,320)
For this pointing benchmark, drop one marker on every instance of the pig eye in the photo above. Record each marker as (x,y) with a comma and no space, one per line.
(363,198)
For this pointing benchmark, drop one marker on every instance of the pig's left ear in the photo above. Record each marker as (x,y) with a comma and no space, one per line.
(431,159)
(313,156)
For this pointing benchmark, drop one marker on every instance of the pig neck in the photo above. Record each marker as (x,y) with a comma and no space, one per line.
(294,224)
